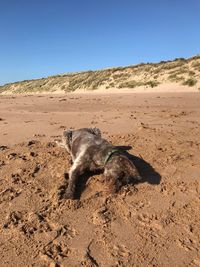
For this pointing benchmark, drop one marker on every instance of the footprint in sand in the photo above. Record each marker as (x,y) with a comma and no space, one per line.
(2,163)
(150,220)
(94,122)
(62,127)
(13,219)
(35,222)
(120,251)
(186,244)
(101,216)
(28,121)
(57,248)
(2,148)
(8,194)
(28,223)
(39,135)
(54,252)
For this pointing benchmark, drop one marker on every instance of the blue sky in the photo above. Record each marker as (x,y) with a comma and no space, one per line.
(39,38)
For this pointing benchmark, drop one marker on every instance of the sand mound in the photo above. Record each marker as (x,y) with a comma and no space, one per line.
(153,223)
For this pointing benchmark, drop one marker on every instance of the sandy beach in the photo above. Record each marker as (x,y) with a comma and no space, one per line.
(152,223)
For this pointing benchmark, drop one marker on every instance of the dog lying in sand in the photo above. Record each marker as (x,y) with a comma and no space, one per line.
(90,152)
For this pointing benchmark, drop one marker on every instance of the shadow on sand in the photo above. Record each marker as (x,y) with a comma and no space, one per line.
(146,171)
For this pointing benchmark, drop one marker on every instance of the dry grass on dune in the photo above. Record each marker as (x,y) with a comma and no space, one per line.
(180,71)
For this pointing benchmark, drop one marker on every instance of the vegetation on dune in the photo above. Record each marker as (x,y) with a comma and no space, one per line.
(175,78)
(182,71)
(190,82)
(152,83)
(129,84)
(133,84)
(196,65)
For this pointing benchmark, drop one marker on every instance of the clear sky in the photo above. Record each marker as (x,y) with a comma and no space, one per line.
(39,38)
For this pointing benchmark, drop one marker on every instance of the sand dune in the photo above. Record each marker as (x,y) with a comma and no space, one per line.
(180,74)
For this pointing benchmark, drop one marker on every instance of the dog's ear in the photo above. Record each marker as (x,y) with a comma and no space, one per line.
(68,135)
(95,131)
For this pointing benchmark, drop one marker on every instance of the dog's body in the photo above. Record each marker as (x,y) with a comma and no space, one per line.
(90,152)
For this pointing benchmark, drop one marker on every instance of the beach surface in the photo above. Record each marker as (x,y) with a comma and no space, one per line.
(152,223)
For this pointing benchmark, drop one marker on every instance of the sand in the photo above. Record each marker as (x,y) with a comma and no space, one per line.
(152,223)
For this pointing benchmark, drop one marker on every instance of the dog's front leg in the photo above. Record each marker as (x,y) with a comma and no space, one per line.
(111,178)
(74,174)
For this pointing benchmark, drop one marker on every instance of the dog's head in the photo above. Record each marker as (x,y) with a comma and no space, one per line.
(67,139)
(70,135)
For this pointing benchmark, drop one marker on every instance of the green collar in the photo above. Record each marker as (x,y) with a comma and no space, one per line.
(110,153)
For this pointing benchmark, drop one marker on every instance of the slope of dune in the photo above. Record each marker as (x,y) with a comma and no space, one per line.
(184,73)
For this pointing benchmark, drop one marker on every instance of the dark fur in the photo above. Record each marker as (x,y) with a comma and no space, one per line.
(90,152)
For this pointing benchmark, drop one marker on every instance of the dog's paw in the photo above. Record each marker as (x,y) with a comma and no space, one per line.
(132,179)
(69,195)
